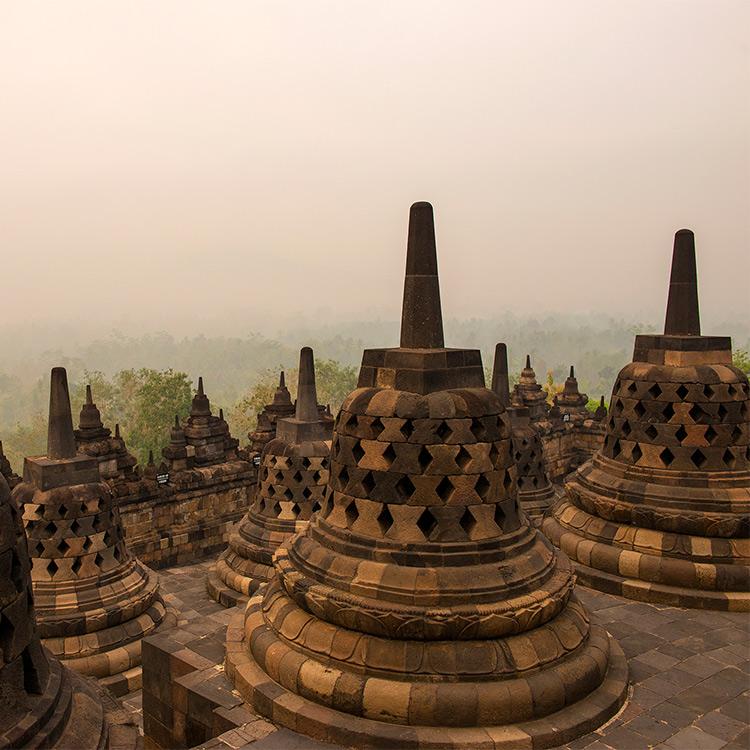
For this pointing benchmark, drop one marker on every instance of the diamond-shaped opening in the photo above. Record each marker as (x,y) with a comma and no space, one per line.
(636,453)
(389,454)
(468,522)
(668,411)
(494,454)
(616,449)
(335,447)
(424,458)
(405,488)
(261,505)
(626,429)
(271,490)
(462,458)
(62,510)
(305,462)
(358,451)
(315,507)
(277,508)
(407,429)
(632,388)
(50,528)
(708,392)
(324,463)
(76,566)
(507,480)
(722,412)
(368,482)
(482,485)
(63,547)
(639,409)
(87,544)
(499,515)
(655,390)
(444,431)
(478,429)
(611,422)
(426,523)
(306,493)
(682,391)
(731,390)
(296,510)
(711,434)
(444,489)
(39,549)
(698,457)
(384,519)
(343,476)
(288,494)
(377,427)
(517,456)
(696,412)
(736,434)
(617,407)
(352,421)
(98,560)
(667,457)
(279,476)
(728,458)
(651,432)
(351,512)
(316,476)
(297,476)
(52,567)
(681,433)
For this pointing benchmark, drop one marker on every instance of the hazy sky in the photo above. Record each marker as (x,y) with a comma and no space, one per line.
(173,161)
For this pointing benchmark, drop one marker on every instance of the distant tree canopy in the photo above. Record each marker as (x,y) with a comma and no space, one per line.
(333,380)
(741,360)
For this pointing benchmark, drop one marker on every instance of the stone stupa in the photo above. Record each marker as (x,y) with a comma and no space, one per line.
(535,491)
(570,400)
(662,512)
(292,476)
(281,406)
(94,601)
(419,609)
(42,703)
(533,395)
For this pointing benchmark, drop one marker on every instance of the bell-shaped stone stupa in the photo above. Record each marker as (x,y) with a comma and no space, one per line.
(662,512)
(292,476)
(94,601)
(280,407)
(419,608)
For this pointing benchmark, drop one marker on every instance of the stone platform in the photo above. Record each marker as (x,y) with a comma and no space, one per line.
(690,674)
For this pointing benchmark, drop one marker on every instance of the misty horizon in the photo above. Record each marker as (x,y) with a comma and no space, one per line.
(180,165)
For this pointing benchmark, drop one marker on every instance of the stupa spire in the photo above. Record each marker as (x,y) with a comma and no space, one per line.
(307,397)
(421,316)
(61,441)
(683,316)
(89,397)
(282,380)
(500,380)
(528,361)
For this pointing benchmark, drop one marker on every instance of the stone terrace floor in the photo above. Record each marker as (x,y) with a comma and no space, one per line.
(689,671)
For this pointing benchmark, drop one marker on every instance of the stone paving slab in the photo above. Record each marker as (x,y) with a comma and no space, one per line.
(689,669)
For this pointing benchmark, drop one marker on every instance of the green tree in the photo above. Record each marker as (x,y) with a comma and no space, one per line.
(741,360)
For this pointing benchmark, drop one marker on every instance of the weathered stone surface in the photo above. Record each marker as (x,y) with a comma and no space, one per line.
(43,704)
(94,600)
(419,608)
(662,511)
(292,477)
(534,487)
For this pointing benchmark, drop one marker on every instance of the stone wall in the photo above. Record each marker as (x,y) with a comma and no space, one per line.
(567,445)
(188,518)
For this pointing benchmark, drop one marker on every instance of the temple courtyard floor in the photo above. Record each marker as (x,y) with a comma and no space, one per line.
(689,672)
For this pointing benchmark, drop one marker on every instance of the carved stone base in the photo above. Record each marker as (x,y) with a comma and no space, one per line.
(407,713)
(650,565)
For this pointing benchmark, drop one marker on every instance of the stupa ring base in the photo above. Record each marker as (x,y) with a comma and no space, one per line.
(111,651)
(321,722)
(645,577)
(234,579)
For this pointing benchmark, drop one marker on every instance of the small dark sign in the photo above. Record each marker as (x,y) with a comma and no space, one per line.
(162,478)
